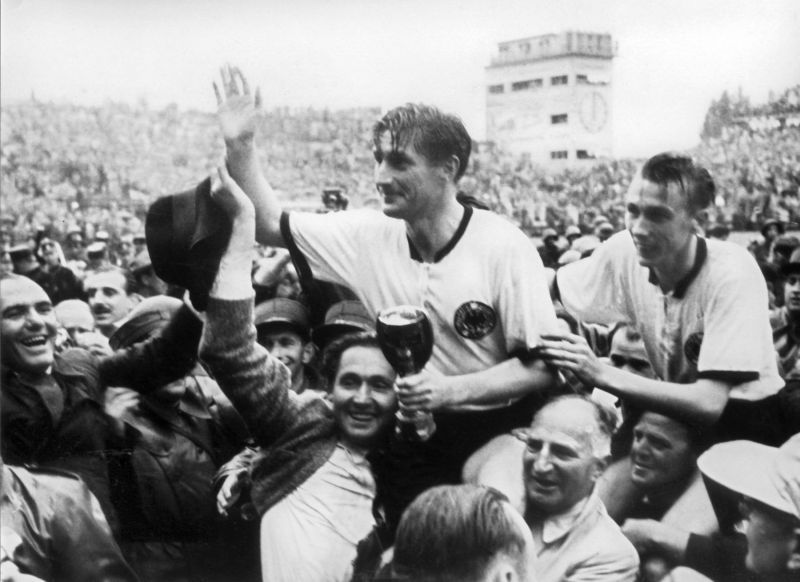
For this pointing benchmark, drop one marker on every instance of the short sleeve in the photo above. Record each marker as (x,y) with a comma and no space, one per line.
(526,308)
(327,246)
(590,288)
(737,310)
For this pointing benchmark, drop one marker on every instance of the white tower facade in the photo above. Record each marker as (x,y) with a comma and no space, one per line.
(549,96)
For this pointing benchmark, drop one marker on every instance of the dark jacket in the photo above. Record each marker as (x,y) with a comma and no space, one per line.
(57,420)
(59,535)
(161,476)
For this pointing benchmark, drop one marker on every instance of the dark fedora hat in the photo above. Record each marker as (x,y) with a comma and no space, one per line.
(187,234)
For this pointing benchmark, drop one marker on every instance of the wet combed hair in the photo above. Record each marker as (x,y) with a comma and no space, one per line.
(694,181)
(332,356)
(452,533)
(435,135)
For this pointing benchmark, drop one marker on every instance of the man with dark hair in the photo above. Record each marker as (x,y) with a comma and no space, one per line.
(109,292)
(566,450)
(52,404)
(461,533)
(693,300)
(480,280)
(312,481)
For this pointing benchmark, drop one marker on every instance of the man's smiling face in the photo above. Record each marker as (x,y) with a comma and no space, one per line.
(407,181)
(28,326)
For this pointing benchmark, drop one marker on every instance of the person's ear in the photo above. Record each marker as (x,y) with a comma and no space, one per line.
(600,465)
(451,167)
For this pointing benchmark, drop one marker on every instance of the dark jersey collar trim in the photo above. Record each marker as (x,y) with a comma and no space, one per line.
(683,284)
(445,250)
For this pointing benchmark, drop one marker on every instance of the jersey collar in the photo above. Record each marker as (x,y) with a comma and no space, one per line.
(443,252)
(699,259)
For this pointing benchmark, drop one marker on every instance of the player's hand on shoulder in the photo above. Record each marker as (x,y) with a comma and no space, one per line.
(572,352)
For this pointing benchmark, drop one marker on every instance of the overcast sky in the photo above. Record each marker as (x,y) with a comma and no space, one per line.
(674,55)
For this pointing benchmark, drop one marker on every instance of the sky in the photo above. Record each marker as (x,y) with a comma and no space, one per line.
(674,56)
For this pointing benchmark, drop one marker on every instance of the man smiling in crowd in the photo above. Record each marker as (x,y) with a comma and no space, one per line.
(312,480)
(109,295)
(567,448)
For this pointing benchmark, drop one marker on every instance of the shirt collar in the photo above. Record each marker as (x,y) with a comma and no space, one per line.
(443,252)
(699,260)
(557,526)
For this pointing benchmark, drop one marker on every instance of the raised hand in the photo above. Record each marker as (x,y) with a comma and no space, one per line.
(238,111)
(227,193)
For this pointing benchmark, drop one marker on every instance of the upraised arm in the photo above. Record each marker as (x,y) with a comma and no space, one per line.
(239,114)
(256,384)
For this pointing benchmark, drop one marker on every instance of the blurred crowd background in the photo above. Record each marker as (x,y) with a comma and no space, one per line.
(96,169)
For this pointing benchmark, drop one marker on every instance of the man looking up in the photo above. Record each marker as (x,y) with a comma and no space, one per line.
(481,280)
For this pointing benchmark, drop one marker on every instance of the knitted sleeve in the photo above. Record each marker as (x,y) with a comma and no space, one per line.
(256,383)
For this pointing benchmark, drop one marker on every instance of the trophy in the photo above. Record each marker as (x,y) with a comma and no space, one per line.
(405,335)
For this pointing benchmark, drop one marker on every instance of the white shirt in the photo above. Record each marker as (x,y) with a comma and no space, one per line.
(714,324)
(487,294)
(311,535)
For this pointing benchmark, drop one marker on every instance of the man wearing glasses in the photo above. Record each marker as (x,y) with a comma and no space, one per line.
(566,450)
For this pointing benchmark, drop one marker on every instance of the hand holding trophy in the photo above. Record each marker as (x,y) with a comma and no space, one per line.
(405,335)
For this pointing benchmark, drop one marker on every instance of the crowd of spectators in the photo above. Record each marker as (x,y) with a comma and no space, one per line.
(64,166)
(265,428)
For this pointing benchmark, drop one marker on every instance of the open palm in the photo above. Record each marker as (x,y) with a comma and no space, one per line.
(238,111)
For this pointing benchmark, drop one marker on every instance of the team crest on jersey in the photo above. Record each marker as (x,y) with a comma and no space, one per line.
(691,347)
(474,320)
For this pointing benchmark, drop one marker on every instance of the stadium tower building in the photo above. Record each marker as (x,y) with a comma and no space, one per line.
(549,96)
